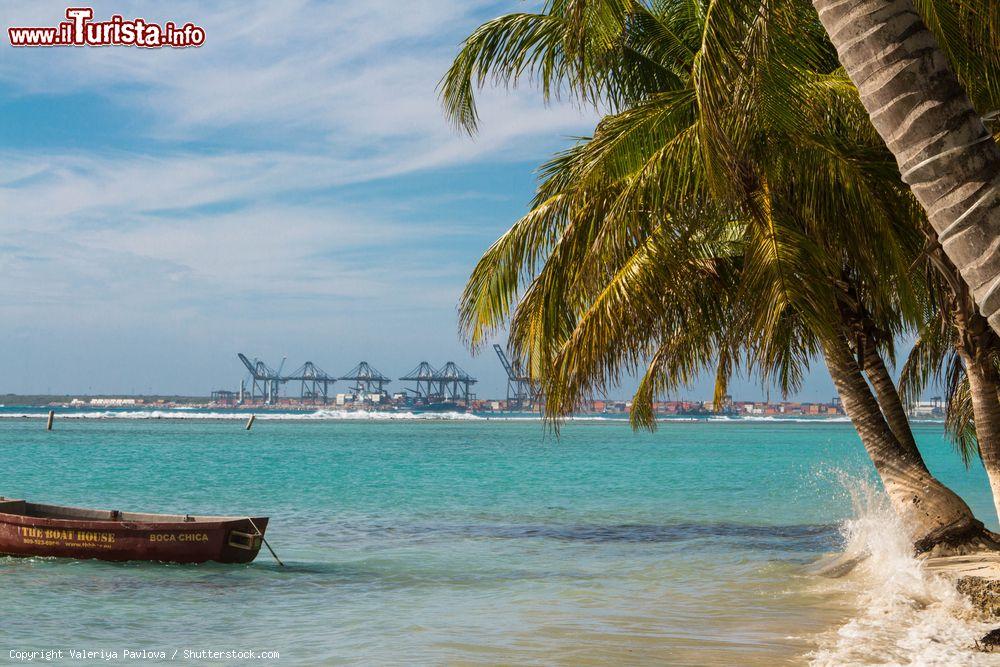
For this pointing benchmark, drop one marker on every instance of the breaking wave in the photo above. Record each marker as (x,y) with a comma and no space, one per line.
(905,614)
(329,415)
(796,420)
(318,415)
(383,415)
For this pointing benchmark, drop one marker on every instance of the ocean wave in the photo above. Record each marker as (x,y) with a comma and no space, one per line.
(318,415)
(808,538)
(905,614)
(328,415)
(790,420)
(183,413)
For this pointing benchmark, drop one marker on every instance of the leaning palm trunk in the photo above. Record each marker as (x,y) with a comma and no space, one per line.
(983,386)
(920,109)
(937,518)
(889,400)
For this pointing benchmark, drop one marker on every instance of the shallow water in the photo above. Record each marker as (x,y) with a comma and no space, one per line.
(472,541)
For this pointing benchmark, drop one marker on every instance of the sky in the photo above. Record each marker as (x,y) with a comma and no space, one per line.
(290,188)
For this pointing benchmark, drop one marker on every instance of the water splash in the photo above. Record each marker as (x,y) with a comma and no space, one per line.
(905,614)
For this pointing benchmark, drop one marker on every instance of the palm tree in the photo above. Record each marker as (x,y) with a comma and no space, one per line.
(618,258)
(922,90)
(920,108)
(956,346)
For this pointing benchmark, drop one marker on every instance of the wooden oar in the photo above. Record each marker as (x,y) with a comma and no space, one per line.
(265,542)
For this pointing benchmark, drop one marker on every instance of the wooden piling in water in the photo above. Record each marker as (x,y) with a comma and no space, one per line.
(52,417)
(250,421)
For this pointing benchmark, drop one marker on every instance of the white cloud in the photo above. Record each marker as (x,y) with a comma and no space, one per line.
(354,77)
(225,219)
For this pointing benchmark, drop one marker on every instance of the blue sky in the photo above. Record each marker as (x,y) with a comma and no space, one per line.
(290,188)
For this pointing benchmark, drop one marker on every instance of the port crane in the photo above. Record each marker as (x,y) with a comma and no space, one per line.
(455,384)
(263,379)
(423,375)
(368,381)
(521,391)
(315,382)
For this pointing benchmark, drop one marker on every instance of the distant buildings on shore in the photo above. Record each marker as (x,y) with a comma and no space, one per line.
(932,409)
(403,402)
(679,408)
(105,402)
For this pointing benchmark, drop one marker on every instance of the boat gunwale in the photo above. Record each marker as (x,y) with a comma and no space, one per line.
(142,520)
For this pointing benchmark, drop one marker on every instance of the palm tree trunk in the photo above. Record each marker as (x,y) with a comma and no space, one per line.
(938,519)
(888,399)
(920,109)
(984,383)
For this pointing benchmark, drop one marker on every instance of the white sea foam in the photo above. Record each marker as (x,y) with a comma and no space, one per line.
(905,615)
(793,420)
(365,415)
(329,415)
(276,415)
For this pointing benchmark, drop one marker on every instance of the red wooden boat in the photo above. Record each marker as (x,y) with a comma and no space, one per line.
(30,529)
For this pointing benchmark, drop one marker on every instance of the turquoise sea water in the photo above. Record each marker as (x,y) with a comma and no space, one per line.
(465,541)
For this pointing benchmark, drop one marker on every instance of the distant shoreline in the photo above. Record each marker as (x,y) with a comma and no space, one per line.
(401,402)
(36,412)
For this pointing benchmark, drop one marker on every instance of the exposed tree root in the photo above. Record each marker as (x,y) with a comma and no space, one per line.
(968,538)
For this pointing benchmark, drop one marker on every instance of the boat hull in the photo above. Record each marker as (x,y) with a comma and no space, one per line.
(172,539)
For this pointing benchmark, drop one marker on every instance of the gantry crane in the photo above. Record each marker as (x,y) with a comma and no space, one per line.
(521,391)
